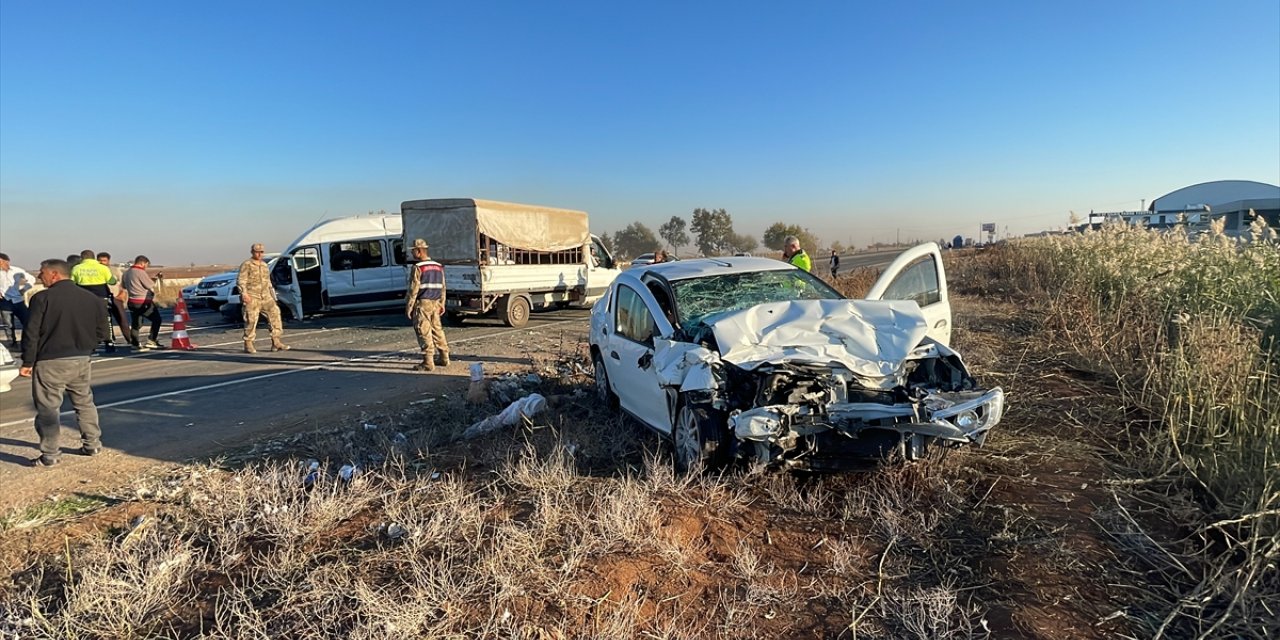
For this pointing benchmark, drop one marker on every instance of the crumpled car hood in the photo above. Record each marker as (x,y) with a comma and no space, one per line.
(870,338)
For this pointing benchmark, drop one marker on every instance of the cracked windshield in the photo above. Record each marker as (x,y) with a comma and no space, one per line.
(700,298)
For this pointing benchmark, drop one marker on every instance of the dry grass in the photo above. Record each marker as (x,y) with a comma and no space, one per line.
(855,283)
(1185,331)
(167,294)
(577,526)
(538,546)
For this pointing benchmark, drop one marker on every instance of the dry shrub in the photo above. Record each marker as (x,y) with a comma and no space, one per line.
(524,549)
(856,283)
(1186,331)
(930,614)
(126,587)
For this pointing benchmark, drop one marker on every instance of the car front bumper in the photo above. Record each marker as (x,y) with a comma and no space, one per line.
(853,435)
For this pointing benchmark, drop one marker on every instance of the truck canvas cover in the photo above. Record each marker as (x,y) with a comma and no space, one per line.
(451,226)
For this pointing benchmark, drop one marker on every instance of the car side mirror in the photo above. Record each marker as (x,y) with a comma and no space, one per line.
(645,360)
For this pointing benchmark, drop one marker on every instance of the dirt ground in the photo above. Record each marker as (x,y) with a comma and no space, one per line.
(1022,530)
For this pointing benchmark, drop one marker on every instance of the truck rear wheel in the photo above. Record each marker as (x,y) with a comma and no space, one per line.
(514,311)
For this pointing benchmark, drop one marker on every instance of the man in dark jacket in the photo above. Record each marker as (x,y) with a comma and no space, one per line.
(67,322)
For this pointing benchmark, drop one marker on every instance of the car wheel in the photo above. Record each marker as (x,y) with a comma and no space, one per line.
(700,439)
(514,311)
(604,393)
(213,305)
(453,318)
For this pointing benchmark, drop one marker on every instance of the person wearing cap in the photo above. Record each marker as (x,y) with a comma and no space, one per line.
(258,298)
(424,304)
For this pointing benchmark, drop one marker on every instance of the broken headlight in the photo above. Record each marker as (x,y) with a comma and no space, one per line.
(975,416)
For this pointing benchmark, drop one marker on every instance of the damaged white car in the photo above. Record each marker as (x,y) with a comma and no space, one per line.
(753,359)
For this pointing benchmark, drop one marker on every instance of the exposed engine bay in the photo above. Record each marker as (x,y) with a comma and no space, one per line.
(860,382)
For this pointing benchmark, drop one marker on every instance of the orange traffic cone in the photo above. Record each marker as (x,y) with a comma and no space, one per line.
(180,339)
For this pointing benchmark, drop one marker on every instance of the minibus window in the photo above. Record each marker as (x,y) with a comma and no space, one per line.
(360,254)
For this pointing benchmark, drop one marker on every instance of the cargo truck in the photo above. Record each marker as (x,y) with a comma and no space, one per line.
(509,259)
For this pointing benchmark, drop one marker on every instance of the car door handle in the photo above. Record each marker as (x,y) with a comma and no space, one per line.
(614,355)
(645,360)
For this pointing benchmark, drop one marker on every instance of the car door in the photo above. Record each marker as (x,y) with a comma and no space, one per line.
(285,280)
(917,274)
(601,269)
(307,268)
(629,359)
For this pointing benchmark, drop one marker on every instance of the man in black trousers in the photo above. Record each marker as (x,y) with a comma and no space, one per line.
(67,322)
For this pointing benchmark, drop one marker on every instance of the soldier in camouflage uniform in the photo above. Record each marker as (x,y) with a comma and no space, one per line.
(258,297)
(424,304)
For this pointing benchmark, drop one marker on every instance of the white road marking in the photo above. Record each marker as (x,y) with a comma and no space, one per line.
(313,367)
(167,351)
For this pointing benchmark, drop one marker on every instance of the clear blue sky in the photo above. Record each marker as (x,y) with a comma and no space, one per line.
(189,130)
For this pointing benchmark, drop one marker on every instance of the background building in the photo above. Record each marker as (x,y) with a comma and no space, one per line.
(1237,202)
(1229,199)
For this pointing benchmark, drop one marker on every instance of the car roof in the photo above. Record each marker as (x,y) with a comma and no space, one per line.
(702,267)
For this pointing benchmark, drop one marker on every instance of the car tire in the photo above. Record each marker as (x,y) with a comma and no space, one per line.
(213,305)
(604,392)
(453,318)
(514,311)
(700,437)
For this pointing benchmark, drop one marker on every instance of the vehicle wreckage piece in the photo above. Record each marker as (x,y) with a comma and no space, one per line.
(811,384)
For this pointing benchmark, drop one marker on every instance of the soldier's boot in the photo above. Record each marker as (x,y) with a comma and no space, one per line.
(442,358)
(248,347)
(425,365)
(276,345)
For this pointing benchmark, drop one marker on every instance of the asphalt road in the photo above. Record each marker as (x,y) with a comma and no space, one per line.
(849,262)
(173,405)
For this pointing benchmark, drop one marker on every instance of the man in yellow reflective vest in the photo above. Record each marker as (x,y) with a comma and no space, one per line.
(795,255)
(97,278)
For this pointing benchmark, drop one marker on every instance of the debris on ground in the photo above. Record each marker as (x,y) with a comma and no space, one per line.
(525,407)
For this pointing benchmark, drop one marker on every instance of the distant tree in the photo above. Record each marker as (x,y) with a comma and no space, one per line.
(743,243)
(774,235)
(836,246)
(713,230)
(607,240)
(778,232)
(673,232)
(635,239)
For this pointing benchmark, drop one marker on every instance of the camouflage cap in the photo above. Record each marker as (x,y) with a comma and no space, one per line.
(419,243)
(257,246)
